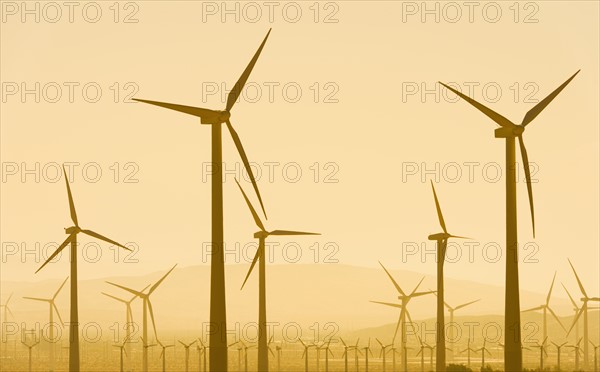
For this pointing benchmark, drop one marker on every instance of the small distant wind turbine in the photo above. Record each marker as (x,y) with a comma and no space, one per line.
(163,354)
(73,231)
(367,350)
(30,346)
(383,351)
(442,245)
(543,352)
(483,350)
(203,347)
(451,311)
(146,305)
(187,353)
(558,347)
(584,309)
(469,349)
(263,353)
(215,118)
(279,350)
(347,348)
(122,351)
(577,349)
(422,347)
(356,353)
(404,314)
(545,308)
(595,356)
(513,354)
(52,308)
(328,352)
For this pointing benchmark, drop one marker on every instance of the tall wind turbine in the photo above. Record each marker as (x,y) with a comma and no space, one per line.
(558,347)
(404,299)
(52,308)
(146,305)
(451,311)
(513,359)
(187,353)
(128,318)
(583,310)
(215,118)
(545,308)
(442,244)
(72,239)
(263,350)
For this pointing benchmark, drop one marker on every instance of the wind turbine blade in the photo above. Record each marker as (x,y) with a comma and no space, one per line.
(194,111)
(575,320)
(242,152)
(533,309)
(439,210)
(114,297)
(537,109)
(288,232)
(550,291)
(256,258)
(499,119)
(527,179)
(343,343)
(56,252)
(393,281)
(257,220)
(104,238)
(409,317)
(161,280)
(139,294)
(578,280)
(152,317)
(417,294)
(387,303)
(37,299)
(459,237)
(239,85)
(71,203)
(8,299)
(570,298)
(417,287)
(57,313)
(59,288)
(467,304)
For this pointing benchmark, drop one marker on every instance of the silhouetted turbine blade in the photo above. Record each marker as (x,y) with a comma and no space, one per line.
(190,110)
(115,298)
(393,281)
(460,237)
(388,304)
(239,85)
(71,203)
(578,280)
(37,299)
(256,258)
(439,210)
(152,317)
(104,238)
(499,119)
(575,320)
(161,280)
(257,220)
(537,109)
(556,318)
(57,313)
(570,298)
(242,152)
(527,179)
(289,232)
(417,287)
(139,294)
(56,252)
(467,304)
(550,291)
(533,309)
(59,288)
(417,294)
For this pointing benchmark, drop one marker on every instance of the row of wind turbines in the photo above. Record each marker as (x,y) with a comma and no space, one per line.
(218,349)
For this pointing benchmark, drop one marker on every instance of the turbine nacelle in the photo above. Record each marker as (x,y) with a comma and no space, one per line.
(439,236)
(509,131)
(261,234)
(72,230)
(215,117)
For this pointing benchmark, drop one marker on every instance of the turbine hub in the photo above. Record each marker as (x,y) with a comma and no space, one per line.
(224,116)
(72,229)
(518,130)
(438,236)
(261,234)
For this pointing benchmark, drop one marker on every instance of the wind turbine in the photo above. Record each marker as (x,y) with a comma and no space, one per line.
(246,347)
(404,299)
(122,350)
(163,354)
(368,351)
(215,118)
(421,352)
(483,350)
(305,354)
(543,352)
(202,346)
(509,131)
(558,347)
(328,352)
(146,305)
(72,239)
(584,309)
(383,352)
(279,350)
(575,309)
(545,308)
(128,317)
(469,349)
(451,311)
(595,356)
(52,308)
(6,311)
(442,244)
(356,353)
(577,349)
(30,346)
(263,352)
(345,354)
(187,353)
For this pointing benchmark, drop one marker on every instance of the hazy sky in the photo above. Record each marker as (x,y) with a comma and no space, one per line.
(342,115)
